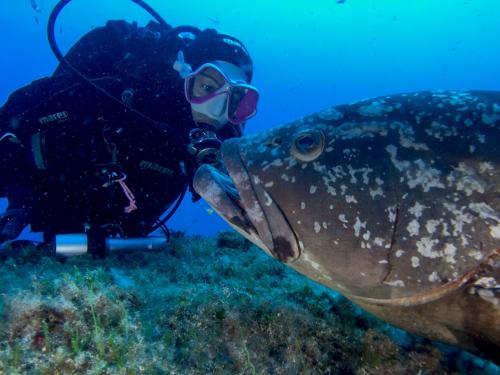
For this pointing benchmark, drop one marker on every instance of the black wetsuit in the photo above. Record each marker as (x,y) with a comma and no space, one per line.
(75,140)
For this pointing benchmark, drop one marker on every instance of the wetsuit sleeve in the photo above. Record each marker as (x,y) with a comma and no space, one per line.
(97,53)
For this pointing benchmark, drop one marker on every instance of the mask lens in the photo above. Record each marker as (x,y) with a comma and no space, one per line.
(204,85)
(242,104)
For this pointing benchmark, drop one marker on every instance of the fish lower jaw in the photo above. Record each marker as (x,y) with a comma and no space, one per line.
(251,236)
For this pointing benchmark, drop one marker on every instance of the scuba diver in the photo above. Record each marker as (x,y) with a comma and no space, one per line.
(112,139)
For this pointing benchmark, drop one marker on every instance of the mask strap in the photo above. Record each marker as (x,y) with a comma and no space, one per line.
(183,68)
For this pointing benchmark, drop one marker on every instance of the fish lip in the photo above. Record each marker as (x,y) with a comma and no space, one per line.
(272,226)
(238,200)
(218,189)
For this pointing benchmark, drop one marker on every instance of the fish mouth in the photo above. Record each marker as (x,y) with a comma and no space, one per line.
(246,205)
(219,191)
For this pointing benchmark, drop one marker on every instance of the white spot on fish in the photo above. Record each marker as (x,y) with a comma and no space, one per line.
(355,130)
(292,162)
(489,119)
(417,209)
(255,213)
(312,189)
(413,228)
(476,254)
(424,176)
(330,114)
(376,192)
(399,253)
(378,241)
(396,283)
(445,231)
(406,136)
(486,167)
(450,251)
(358,225)
(317,227)
(268,200)
(376,108)
(383,261)
(302,205)
(465,179)
(439,131)
(495,231)
(269,184)
(364,171)
(400,165)
(392,213)
(415,262)
(460,219)
(350,199)
(484,211)
(347,151)
(408,143)
(425,247)
(343,219)
(432,225)
(241,179)
(433,277)
(275,163)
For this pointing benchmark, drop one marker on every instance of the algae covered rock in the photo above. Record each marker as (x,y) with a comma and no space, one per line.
(205,305)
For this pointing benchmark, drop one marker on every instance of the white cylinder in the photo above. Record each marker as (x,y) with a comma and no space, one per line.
(69,245)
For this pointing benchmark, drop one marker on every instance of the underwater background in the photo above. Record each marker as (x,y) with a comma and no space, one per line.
(217,304)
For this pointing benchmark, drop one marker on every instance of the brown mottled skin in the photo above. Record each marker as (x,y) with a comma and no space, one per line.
(457,317)
(394,202)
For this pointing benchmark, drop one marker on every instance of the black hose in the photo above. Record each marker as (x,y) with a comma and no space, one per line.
(50,32)
(151,11)
(161,222)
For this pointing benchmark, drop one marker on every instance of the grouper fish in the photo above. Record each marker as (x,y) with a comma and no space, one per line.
(393,202)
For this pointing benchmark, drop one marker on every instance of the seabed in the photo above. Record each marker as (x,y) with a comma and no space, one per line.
(204,305)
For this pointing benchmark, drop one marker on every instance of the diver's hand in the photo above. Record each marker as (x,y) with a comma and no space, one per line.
(12,222)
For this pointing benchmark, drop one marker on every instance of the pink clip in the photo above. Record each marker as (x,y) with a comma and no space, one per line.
(128,193)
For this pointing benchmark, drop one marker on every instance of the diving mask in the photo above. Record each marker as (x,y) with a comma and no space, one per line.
(219,91)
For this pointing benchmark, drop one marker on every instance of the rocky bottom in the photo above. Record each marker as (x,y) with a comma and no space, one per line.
(204,305)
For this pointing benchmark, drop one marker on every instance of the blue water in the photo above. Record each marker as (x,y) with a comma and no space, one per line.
(307,57)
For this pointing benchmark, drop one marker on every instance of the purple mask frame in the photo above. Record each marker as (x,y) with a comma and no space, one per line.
(246,106)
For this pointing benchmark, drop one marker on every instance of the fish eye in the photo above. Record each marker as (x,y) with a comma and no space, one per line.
(308,145)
